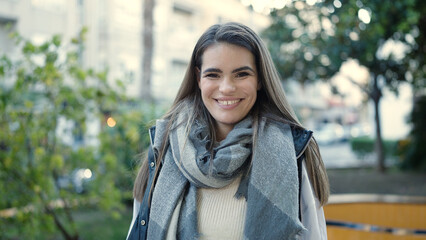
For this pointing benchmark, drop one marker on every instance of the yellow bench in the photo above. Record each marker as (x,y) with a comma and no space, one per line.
(375,217)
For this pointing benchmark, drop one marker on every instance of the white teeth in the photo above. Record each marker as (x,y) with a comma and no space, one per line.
(228,102)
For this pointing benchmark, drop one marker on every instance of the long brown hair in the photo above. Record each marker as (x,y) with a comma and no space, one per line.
(271,99)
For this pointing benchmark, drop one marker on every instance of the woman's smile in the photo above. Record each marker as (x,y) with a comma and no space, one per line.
(228,103)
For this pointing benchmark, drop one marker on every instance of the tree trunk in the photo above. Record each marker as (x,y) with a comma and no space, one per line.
(376,96)
(66,234)
(147,48)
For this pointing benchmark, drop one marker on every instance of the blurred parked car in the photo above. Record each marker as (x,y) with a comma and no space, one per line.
(330,133)
(359,130)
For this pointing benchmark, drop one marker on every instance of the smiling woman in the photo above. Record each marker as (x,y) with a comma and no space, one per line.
(230,159)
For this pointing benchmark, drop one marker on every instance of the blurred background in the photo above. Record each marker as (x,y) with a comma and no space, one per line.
(82,81)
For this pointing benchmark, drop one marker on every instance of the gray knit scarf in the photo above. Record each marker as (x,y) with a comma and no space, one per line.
(270,187)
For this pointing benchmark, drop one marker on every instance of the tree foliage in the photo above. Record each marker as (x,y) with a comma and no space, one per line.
(311,41)
(46,97)
(413,149)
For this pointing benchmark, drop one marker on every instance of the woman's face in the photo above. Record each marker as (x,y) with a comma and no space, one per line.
(228,83)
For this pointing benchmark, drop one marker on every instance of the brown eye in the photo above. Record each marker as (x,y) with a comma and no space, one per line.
(243,74)
(211,75)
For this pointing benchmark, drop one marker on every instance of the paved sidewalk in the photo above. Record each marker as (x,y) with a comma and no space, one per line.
(348,174)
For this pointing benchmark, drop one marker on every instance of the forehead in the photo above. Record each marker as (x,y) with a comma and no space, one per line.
(225,55)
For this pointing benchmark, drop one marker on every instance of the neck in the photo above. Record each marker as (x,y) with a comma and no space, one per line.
(222,131)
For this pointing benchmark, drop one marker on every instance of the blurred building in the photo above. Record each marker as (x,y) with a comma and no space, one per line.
(114,41)
(115,30)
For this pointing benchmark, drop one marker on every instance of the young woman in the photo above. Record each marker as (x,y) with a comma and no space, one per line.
(230,160)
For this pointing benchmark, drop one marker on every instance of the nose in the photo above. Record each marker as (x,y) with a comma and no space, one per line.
(227,86)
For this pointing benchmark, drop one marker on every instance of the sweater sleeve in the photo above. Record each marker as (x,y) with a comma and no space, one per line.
(136,207)
(312,212)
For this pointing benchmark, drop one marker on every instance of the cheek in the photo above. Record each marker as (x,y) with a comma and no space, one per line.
(204,93)
(206,89)
(252,90)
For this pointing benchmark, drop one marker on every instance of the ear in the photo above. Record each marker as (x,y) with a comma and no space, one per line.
(259,85)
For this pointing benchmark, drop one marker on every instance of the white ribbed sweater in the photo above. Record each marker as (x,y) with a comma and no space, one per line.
(220,214)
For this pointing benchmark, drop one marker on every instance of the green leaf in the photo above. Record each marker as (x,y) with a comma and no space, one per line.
(56,40)
(57,161)
(44,47)
(29,48)
(51,57)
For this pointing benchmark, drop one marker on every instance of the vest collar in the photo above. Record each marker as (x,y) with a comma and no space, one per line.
(301,138)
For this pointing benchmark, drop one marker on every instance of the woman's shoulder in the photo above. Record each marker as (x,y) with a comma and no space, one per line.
(301,135)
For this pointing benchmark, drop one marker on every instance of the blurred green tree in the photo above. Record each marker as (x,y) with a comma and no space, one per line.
(310,40)
(413,149)
(46,97)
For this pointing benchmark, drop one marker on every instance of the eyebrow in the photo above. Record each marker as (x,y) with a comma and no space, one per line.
(217,70)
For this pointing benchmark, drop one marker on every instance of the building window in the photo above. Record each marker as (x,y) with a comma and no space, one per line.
(50,5)
(184,16)
(7,25)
